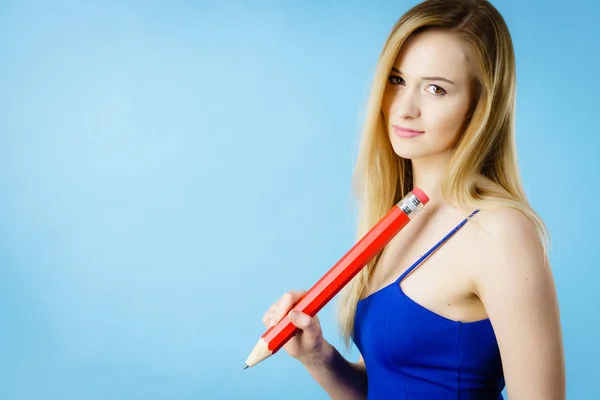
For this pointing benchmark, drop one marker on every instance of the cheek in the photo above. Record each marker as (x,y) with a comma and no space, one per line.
(446,122)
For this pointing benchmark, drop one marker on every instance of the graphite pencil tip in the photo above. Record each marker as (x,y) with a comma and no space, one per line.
(245,366)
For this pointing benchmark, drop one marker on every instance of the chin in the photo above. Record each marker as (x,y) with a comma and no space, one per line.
(411,149)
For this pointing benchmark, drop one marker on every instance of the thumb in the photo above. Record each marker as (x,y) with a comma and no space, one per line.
(304,322)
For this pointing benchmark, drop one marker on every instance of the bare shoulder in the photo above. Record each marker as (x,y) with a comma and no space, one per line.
(503,240)
(502,223)
(506,225)
(514,281)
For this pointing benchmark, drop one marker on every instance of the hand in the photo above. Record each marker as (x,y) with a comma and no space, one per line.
(308,345)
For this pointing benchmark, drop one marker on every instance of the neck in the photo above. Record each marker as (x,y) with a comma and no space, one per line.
(427,175)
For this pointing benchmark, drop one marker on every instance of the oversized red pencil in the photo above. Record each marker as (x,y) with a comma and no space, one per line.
(340,274)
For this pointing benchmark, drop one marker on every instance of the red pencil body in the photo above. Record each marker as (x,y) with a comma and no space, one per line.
(347,267)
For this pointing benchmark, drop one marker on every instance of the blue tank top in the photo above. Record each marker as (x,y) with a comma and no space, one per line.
(411,352)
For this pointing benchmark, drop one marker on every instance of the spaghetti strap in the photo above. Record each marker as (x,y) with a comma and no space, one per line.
(434,248)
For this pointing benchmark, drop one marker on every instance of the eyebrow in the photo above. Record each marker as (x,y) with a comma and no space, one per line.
(427,78)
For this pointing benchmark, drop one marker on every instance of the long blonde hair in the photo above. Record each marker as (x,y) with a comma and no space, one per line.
(486,147)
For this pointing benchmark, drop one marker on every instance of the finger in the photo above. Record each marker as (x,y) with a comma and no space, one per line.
(304,322)
(269,314)
(296,294)
(266,320)
(286,302)
(292,295)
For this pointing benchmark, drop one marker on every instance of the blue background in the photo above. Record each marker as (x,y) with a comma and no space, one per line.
(169,169)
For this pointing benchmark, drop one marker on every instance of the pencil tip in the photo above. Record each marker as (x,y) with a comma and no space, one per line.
(245,366)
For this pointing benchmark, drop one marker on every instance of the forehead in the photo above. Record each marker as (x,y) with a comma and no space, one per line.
(433,53)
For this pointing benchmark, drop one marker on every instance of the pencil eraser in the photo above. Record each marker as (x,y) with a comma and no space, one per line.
(420,195)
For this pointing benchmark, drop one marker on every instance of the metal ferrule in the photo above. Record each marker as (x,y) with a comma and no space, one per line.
(410,204)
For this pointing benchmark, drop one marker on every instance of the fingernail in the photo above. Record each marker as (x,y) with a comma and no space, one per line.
(293,315)
(303,319)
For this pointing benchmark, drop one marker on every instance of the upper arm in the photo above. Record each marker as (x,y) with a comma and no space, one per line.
(361,362)
(516,287)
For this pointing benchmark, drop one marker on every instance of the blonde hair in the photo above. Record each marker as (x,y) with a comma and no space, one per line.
(486,147)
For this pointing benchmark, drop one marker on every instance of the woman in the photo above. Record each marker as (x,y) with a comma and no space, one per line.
(480,312)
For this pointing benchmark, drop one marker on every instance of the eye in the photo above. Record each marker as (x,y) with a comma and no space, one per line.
(439,92)
(395,80)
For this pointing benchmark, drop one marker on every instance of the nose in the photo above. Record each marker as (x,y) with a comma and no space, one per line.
(405,104)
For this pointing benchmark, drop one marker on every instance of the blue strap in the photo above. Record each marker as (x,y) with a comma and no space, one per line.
(434,248)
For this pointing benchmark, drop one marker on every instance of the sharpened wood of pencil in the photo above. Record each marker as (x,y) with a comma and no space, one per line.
(340,274)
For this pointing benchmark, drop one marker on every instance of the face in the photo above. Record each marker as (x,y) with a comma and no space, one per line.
(427,96)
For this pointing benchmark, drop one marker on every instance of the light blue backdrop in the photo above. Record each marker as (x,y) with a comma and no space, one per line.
(169,169)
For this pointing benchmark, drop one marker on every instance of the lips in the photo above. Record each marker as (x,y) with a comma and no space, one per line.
(406,132)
